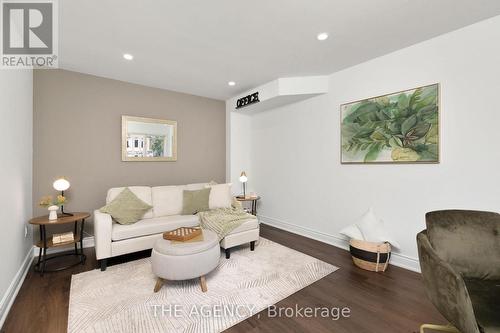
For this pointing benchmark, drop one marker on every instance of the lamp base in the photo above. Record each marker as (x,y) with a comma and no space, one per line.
(63,213)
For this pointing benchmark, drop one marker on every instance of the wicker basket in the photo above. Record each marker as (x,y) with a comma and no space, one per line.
(371,256)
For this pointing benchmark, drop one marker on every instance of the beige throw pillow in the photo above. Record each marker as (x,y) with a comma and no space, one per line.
(126,208)
(195,201)
(220,196)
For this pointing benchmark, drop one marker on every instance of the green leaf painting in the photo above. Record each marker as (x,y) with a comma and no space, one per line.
(397,128)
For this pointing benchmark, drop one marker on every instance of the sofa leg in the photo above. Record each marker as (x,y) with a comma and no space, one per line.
(104,264)
(252,245)
(228,253)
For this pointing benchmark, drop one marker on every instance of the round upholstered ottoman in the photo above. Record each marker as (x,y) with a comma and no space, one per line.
(184,261)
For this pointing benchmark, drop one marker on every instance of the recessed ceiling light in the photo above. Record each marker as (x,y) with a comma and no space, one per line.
(322,36)
(127,56)
(231,83)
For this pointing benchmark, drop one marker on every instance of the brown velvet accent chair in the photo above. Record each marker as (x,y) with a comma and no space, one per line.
(459,256)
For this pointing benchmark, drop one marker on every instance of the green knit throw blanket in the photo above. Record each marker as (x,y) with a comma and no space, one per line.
(223,220)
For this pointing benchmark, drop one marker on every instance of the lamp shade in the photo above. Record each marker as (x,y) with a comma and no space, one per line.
(243,177)
(61,184)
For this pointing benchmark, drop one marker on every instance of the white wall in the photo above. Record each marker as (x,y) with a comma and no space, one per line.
(16,159)
(238,143)
(294,151)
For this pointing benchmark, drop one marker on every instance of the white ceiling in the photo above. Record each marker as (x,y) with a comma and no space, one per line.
(197,46)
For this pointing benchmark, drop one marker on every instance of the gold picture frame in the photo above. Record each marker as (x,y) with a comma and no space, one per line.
(148,139)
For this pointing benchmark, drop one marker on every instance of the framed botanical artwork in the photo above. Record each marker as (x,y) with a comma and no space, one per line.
(401,127)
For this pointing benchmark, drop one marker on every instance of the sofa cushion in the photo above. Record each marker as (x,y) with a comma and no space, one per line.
(220,196)
(167,200)
(126,208)
(152,226)
(485,296)
(142,192)
(250,224)
(195,201)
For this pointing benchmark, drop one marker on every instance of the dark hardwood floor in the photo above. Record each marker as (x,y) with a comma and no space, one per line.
(388,302)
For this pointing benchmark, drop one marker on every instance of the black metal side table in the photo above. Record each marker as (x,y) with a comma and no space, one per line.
(44,243)
(252,200)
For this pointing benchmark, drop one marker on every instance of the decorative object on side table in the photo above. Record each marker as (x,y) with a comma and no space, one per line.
(46,243)
(62,184)
(52,205)
(402,127)
(253,198)
(53,212)
(63,238)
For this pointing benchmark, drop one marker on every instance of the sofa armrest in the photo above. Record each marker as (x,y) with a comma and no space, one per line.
(103,225)
(445,287)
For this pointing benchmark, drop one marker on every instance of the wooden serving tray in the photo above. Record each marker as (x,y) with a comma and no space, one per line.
(182,234)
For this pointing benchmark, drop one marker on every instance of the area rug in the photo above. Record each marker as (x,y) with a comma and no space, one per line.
(121,299)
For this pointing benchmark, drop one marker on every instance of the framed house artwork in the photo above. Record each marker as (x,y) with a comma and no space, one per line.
(147,139)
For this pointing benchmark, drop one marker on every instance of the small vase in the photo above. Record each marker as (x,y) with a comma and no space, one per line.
(53,212)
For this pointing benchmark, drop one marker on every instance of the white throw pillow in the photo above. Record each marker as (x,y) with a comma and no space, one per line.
(374,230)
(389,237)
(195,187)
(352,231)
(220,196)
(167,200)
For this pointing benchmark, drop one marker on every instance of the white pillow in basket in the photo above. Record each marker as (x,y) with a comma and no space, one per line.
(374,230)
(220,196)
(352,231)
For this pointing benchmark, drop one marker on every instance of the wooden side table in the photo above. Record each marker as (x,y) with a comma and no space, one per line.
(253,201)
(44,243)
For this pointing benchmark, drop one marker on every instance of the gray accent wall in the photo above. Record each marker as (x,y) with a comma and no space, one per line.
(77,134)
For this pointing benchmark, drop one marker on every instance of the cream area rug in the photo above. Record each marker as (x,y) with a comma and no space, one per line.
(121,299)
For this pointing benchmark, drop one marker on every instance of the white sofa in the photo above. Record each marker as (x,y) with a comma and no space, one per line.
(113,239)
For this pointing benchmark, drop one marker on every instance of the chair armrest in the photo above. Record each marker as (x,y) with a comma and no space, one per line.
(445,288)
(102,234)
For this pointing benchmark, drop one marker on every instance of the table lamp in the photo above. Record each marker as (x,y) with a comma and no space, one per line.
(244,179)
(62,184)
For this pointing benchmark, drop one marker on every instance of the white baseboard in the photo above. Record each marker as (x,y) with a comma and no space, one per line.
(15,285)
(397,259)
(87,242)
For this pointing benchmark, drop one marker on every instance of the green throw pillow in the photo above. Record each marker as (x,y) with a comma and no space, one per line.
(195,201)
(126,208)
